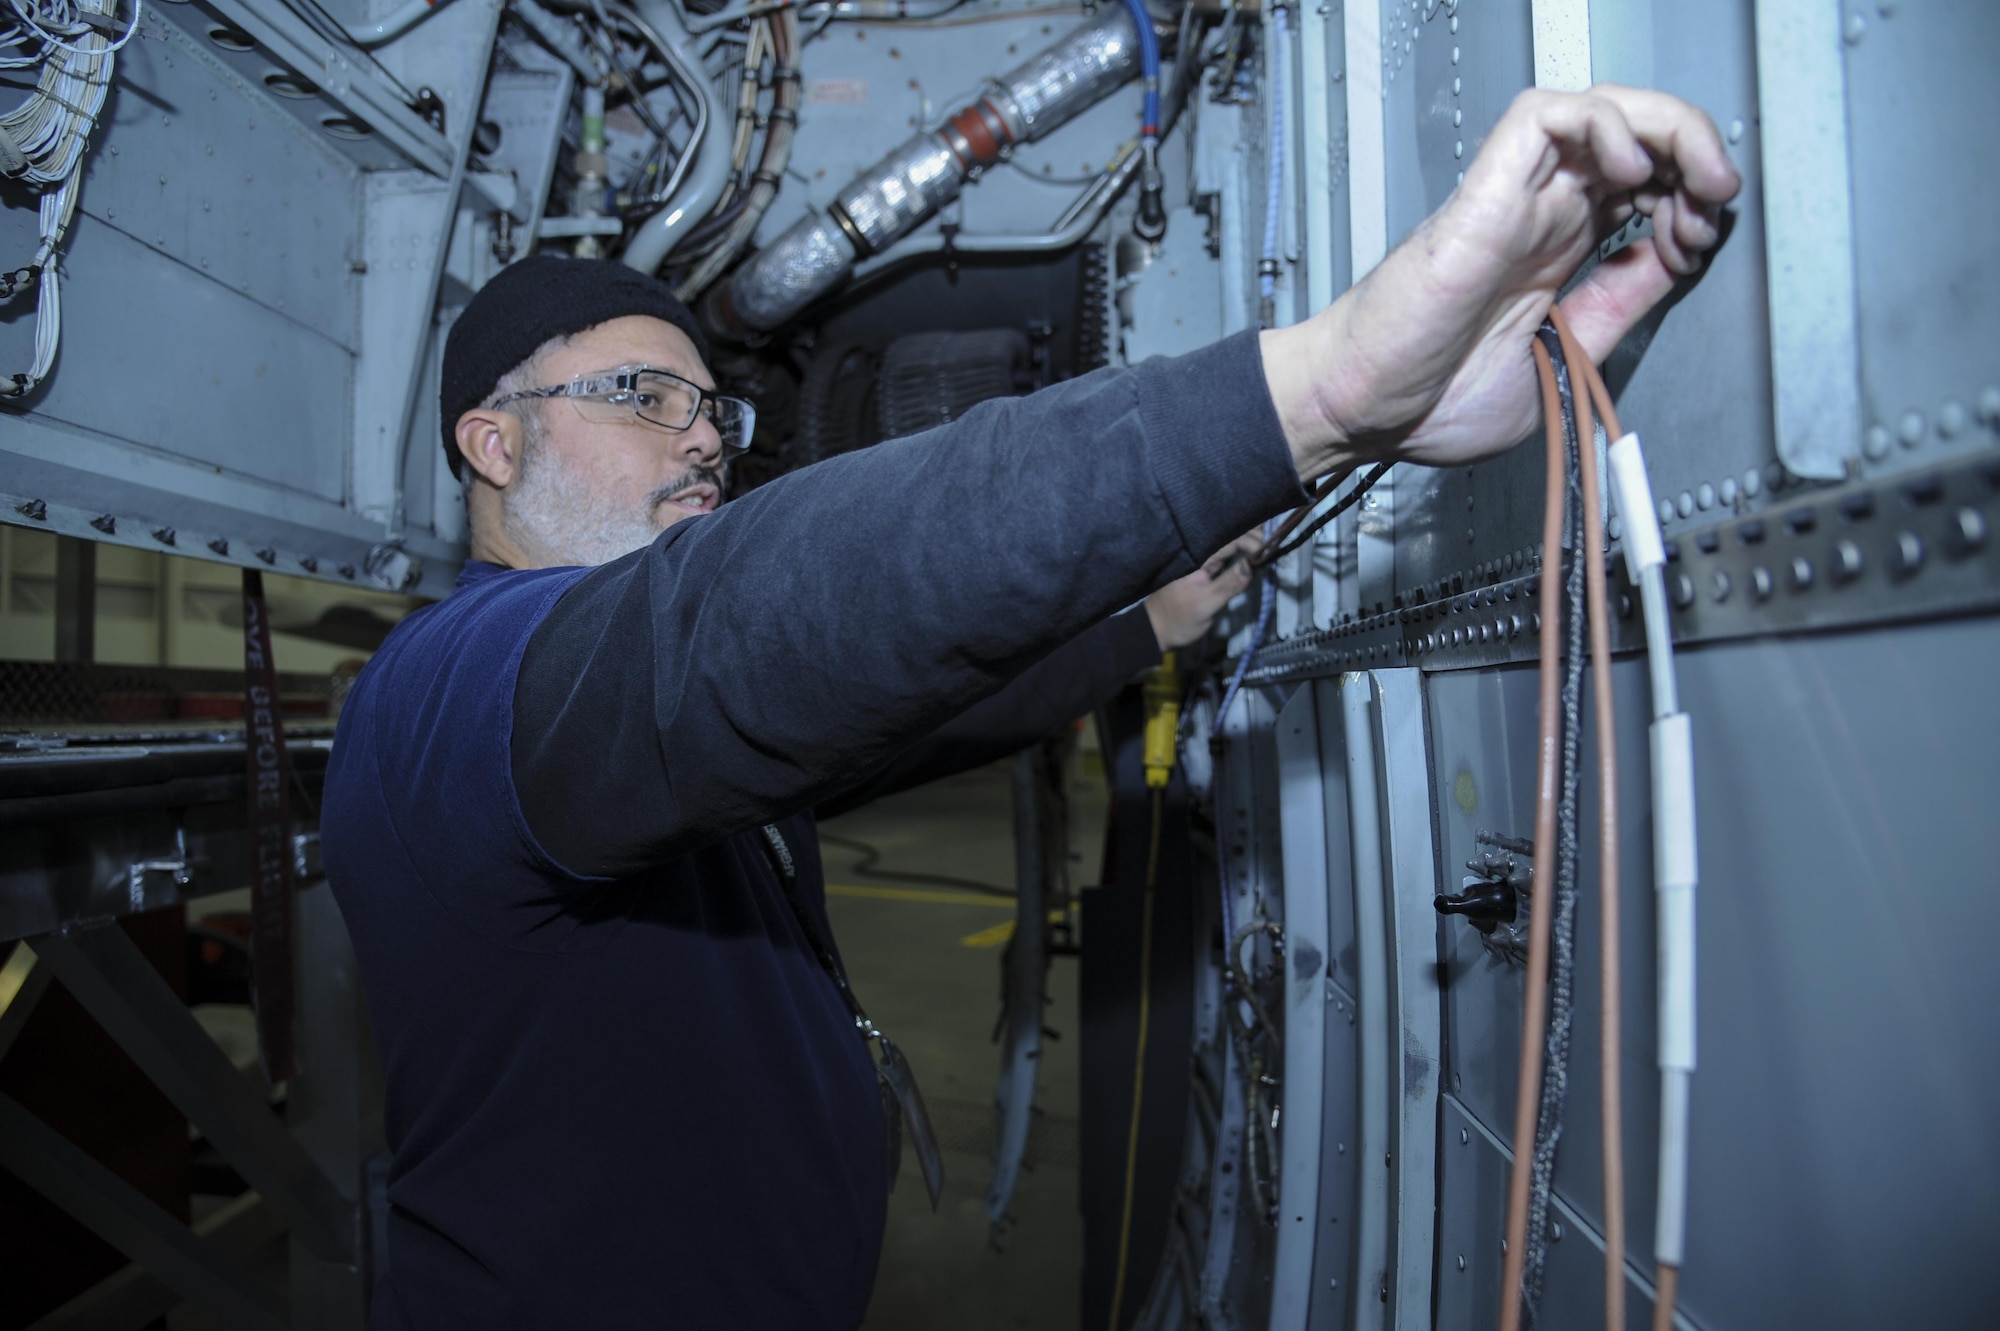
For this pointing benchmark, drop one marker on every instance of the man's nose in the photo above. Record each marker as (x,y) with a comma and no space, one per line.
(700,442)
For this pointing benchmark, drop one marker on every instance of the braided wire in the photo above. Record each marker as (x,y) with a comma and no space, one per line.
(1562,957)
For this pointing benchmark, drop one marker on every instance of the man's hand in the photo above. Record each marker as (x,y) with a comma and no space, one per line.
(1183,610)
(1427,358)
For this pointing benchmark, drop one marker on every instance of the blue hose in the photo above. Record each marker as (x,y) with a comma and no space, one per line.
(1149,58)
(1267,271)
(1267,605)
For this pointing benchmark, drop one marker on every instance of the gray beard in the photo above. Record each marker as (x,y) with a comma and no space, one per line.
(554,509)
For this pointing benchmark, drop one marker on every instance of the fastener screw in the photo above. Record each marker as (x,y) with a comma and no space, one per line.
(1968,532)
(1802,573)
(1909,553)
(1847,561)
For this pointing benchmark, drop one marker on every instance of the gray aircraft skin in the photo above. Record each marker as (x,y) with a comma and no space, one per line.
(233,235)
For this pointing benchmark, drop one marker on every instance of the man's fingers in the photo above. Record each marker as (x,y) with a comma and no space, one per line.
(1239,551)
(1695,223)
(1683,141)
(1608,303)
(1666,238)
(1598,126)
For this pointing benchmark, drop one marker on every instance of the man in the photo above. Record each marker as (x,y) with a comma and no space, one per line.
(623,1087)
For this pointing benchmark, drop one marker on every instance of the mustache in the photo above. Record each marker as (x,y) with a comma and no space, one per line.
(699,474)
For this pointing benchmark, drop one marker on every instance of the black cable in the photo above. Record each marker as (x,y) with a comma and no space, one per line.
(1306,533)
(870,855)
(334,32)
(1562,955)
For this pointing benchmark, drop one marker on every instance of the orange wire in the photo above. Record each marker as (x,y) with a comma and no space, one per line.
(1663,1301)
(1534,1019)
(1610,1089)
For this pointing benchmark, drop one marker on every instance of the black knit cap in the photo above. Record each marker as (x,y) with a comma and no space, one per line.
(528,303)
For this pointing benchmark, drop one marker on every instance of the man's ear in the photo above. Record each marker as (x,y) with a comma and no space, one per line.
(490,441)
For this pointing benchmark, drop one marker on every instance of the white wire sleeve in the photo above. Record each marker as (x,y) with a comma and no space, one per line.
(1675,851)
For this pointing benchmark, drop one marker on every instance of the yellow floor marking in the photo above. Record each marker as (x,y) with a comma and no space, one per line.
(998,935)
(918,894)
(995,936)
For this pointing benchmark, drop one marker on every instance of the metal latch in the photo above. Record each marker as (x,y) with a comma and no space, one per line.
(1492,896)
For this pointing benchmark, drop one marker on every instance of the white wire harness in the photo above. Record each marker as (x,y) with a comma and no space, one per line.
(42,140)
(1674,847)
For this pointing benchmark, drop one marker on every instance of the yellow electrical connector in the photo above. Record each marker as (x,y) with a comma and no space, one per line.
(1163,720)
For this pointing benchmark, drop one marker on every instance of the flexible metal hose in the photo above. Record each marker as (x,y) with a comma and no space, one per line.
(784,124)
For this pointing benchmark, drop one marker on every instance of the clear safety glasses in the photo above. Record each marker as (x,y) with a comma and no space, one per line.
(642,392)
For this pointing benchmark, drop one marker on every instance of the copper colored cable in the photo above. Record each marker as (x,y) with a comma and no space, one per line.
(1609,1044)
(1548,763)
(1669,1277)
(1669,1281)
(1298,515)
(1592,378)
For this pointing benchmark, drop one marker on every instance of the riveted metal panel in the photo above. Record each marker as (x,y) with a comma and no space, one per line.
(164,359)
(201,167)
(1921,105)
(1334,1289)
(1842,1103)
(1715,447)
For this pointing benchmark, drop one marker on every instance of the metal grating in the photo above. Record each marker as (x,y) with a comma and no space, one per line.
(40,693)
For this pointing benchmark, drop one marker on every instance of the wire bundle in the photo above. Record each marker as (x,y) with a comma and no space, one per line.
(1562,967)
(1572,474)
(42,141)
(782,34)
(1288,537)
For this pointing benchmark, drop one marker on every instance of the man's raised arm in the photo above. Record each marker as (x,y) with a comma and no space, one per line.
(752,661)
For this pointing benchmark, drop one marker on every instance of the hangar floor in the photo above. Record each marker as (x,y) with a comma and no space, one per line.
(926,963)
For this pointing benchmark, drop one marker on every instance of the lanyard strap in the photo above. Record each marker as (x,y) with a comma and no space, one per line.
(270,774)
(788,872)
(902,1102)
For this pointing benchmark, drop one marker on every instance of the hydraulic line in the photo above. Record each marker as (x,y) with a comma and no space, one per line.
(1274,175)
(1151,223)
(904,189)
(784,123)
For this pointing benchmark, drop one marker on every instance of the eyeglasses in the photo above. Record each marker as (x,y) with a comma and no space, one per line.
(641,392)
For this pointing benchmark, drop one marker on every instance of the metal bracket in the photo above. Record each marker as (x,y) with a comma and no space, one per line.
(177,873)
(306,863)
(108,974)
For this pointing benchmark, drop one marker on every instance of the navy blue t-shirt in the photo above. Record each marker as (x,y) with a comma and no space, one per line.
(620,1089)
